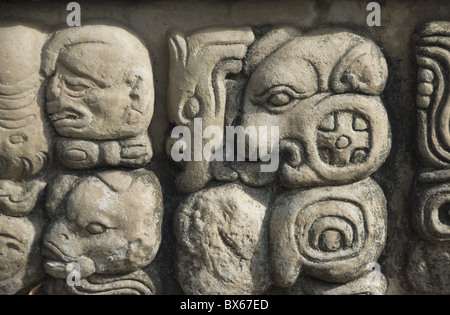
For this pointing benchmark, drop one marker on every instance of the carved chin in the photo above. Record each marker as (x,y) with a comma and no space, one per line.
(70,127)
(63,270)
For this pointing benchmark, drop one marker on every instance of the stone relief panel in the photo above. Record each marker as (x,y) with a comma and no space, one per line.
(428,270)
(24,155)
(317,223)
(85,198)
(108,221)
(283,171)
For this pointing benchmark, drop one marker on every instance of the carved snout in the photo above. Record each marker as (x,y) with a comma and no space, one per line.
(61,249)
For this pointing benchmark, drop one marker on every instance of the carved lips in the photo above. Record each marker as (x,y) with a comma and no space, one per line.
(68,118)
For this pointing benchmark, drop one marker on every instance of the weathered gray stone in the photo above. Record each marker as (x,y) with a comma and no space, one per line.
(223,241)
(363,116)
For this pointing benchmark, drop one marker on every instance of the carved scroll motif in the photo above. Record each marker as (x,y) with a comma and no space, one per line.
(433,49)
(199,64)
(427,268)
(332,234)
(24,155)
(330,224)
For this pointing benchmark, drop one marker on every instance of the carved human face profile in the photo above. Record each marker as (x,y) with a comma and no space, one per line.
(20,259)
(109,223)
(14,245)
(101,83)
(23,133)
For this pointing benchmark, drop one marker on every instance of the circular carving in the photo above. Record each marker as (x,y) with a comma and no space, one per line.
(331,233)
(322,216)
(77,154)
(432,213)
(349,140)
(191,108)
(343,139)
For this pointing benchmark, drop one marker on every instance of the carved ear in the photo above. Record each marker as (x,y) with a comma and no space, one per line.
(362,69)
(178,47)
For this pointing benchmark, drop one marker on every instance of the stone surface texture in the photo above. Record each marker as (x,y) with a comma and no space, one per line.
(354,118)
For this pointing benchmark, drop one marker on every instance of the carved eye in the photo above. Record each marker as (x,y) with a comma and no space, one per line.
(77,88)
(96,228)
(13,246)
(280,98)
(17,139)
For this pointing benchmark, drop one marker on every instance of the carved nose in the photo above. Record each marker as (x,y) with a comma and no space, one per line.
(53,91)
(61,237)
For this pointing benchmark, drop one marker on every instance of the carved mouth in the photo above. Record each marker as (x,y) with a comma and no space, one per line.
(56,262)
(69,118)
(53,253)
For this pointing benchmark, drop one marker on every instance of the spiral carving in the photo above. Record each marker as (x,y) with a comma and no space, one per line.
(330,233)
(432,213)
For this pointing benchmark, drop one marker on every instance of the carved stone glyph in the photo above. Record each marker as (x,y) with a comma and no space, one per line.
(20,256)
(101,113)
(198,66)
(333,126)
(110,224)
(333,130)
(24,135)
(428,265)
(24,155)
(330,233)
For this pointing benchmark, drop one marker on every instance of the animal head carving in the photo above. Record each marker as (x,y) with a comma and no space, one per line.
(109,223)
